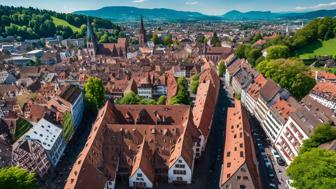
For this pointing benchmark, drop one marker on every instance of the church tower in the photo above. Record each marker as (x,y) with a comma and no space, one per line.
(142,34)
(91,44)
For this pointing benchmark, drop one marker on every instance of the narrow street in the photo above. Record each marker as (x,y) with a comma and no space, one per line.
(57,179)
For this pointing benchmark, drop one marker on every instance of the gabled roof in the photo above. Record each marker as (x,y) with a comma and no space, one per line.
(238,150)
(143,161)
(269,90)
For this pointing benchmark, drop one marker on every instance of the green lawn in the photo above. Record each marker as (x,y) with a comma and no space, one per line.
(62,22)
(319,48)
(22,126)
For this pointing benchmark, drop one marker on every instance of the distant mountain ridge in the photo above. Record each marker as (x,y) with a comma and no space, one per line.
(131,14)
(124,13)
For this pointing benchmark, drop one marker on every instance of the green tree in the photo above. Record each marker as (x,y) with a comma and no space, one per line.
(182,96)
(17,178)
(162,100)
(290,74)
(194,83)
(145,101)
(253,56)
(315,169)
(68,129)
(221,68)
(277,51)
(94,93)
(322,134)
(256,37)
(129,98)
(168,40)
(155,39)
(242,51)
(215,41)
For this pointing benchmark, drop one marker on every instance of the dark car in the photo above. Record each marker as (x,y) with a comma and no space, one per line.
(281,162)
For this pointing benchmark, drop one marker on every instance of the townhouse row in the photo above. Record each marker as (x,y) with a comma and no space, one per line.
(286,122)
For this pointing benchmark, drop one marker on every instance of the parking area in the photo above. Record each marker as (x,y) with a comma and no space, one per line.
(272,167)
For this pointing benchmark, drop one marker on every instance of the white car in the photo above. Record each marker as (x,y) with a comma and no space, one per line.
(289,184)
(275,154)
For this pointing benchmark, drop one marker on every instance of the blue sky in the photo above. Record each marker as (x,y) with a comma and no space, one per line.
(212,7)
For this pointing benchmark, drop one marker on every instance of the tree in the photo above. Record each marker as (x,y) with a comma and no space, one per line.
(322,134)
(94,93)
(129,98)
(168,40)
(277,51)
(182,96)
(194,83)
(17,178)
(253,56)
(242,51)
(155,39)
(290,74)
(221,68)
(215,41)
(68,129)
(162,100)
(257,37)
(315,169)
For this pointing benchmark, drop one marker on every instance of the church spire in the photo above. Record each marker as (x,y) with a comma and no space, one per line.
(142,33)
(142,27)
(89,33)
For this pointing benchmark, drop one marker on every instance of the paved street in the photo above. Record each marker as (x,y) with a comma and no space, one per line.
(278,171)
(57,179)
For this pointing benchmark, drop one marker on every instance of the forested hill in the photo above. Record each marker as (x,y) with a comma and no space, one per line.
(31,23)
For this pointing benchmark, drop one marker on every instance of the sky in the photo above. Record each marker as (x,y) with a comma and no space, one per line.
(211,7)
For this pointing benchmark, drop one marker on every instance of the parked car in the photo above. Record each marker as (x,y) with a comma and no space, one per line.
(289,184)
(272,186)
(275,154)
(281,162)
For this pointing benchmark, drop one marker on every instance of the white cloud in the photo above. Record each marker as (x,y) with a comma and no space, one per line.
(191,3)
(331,5)
(138,1)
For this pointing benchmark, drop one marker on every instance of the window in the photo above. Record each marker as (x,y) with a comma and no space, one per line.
(228,164)
(179,172)
(242,187)
(228,175)
(228,154)
(241,154)
(139,174)
(245,178)
(180,166)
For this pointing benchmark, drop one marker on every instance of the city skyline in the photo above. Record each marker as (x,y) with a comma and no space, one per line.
(216,7)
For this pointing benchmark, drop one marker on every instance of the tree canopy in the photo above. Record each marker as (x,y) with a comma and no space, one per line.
(277,51)
(215,41)
(322,134)
(182,96)
(168,40)
(221,68)
(290,74)
(17,178)
(315,169)
(194,83)
(31,23)
(155,39)
(94,93)
(131,98)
